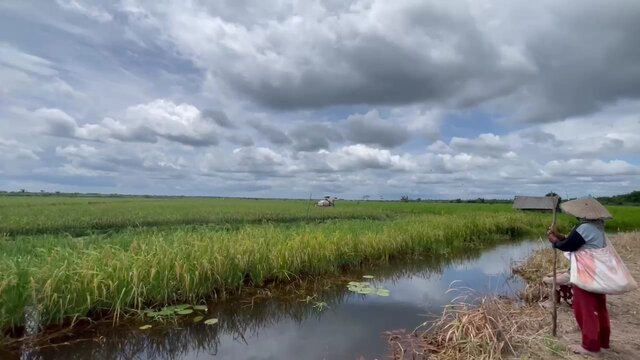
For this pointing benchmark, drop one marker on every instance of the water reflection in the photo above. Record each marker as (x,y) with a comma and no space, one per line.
(291,327)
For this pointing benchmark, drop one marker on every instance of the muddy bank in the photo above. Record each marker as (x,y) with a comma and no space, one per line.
(501,328)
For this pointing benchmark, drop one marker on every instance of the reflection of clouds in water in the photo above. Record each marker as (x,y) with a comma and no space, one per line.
(417,290)
(500,259)
(349,331)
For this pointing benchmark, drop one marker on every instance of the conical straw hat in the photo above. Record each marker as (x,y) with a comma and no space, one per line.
(586,208)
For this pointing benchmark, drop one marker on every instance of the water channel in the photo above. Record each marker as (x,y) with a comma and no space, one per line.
(334,324)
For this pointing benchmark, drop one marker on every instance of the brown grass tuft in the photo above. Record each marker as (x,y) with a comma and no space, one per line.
(492,329)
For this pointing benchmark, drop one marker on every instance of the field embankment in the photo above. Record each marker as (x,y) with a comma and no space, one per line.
(499,328)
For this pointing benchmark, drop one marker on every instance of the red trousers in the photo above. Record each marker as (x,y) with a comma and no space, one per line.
(592,316)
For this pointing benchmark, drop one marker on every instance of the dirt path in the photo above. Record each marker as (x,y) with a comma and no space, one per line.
(624,310)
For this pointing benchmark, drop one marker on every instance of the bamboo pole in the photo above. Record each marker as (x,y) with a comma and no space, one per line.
(554,316)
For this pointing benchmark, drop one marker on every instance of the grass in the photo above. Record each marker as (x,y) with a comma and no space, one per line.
(152,252)
(491,329)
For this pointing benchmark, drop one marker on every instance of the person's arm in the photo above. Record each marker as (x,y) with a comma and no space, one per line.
(572,242)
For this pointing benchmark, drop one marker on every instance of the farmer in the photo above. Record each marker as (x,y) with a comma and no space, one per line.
(590,309)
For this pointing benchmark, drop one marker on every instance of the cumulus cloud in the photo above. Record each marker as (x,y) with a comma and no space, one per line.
(13,150)
(181,123)
(403,52)
(371,129)
(357,157)
(583,167)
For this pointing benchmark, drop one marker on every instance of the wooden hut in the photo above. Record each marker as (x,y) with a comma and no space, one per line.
(533,203)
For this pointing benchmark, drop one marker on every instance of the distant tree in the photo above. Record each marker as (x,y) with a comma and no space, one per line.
(366,197)
(404,198)
(23,190)
(551,193)
(418,199)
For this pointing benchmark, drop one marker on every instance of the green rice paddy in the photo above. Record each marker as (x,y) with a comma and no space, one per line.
(72,258)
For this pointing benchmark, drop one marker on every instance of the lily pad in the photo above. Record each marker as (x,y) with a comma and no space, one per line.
(198,318)
(383,292)
(184,312)
(367,276)
(177,307)
(145,327)
(211,321)
(367,291)
(152,313)
(200,307)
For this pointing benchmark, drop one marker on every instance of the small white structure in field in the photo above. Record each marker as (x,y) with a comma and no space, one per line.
(328,201)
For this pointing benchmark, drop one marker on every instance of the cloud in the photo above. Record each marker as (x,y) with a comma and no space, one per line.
(181,123)
(253,160)
(272,134)
(426,52)
(582,167)
(88,10)
(219,117)
(13,150)
(372,130)
(358,97)
(355,158)
(484,144)
(313,137)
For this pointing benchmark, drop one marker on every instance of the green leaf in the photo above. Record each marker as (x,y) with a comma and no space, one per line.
(184,312)
(200,307)
(366,291)
(176,307)
(211,321)
(368,276)
(383,292)
(198,318)
(145,327)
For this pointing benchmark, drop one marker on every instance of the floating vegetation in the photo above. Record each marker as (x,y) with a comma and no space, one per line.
(198,318)
(321,305)
(365,288)
(211,321)
(174,310)
(145,327)
(367,277)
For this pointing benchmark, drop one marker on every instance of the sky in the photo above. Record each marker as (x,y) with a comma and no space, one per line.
(429,99)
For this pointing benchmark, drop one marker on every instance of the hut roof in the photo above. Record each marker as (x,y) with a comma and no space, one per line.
(532,203)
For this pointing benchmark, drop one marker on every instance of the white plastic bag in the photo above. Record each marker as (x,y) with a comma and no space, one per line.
(601,271)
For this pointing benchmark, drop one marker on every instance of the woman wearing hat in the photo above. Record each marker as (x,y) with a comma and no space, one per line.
(590,309)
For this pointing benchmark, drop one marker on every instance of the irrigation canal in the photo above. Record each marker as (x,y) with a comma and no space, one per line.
(335,324)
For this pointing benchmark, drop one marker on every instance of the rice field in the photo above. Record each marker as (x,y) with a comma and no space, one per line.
(73,258)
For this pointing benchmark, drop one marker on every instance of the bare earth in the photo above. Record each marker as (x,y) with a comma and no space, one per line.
(624,310)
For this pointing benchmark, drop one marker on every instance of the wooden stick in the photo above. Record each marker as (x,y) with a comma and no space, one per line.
(554,316)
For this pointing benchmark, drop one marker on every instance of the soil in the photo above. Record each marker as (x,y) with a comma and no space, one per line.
(624,310)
